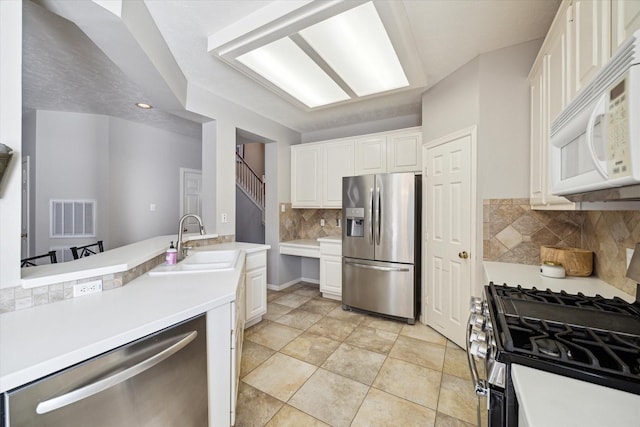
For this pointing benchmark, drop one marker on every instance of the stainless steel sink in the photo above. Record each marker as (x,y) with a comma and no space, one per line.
(201,261)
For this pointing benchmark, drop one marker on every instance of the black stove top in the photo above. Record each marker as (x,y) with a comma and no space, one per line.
(585,337)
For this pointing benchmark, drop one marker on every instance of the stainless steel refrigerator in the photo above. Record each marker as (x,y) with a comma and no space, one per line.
(381,244)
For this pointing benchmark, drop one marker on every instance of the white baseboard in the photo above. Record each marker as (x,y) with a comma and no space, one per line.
(291,283)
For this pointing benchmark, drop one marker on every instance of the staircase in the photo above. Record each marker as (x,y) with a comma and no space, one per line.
(250,183)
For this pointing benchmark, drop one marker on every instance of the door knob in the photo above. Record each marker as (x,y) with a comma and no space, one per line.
(463,255)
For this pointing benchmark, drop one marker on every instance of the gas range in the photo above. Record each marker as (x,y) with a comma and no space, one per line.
(589,338)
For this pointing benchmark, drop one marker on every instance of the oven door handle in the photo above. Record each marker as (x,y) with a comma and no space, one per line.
(480,385)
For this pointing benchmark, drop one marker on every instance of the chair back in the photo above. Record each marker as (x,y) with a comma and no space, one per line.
(31,261)
(86,250)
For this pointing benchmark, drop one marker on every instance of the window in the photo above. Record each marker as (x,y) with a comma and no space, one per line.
(73,218)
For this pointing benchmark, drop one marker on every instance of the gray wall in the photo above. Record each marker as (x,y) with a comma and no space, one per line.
(249,226)
(122,165)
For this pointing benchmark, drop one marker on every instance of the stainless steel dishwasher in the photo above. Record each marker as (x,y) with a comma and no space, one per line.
(158,380)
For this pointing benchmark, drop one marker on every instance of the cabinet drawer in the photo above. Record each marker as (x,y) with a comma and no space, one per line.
(256,260)
(331,249)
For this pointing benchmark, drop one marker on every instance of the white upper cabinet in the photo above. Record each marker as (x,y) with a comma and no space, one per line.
(338,162)
(590,33)
(405,151)
(317,168)
(306,178)
(371,155)
(625,19)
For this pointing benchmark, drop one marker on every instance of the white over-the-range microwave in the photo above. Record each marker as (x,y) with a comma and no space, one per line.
(595,141)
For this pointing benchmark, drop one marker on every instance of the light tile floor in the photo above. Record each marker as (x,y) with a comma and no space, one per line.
(309,363)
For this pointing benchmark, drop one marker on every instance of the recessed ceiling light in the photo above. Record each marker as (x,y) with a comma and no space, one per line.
(356,45)
(286,65)
(143,105)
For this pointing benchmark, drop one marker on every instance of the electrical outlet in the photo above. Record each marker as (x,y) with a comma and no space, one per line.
(82,289)
(282,208)
(322,222)
(224,218)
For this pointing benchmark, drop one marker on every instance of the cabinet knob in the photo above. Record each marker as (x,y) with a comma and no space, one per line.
(463,255)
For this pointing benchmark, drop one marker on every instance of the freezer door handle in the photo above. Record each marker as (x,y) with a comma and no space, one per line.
(377,267)
(371,216)
(112,380)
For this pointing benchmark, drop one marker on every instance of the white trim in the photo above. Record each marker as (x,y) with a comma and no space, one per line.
(184,171)
(26,208)
(292,282)
(475,259)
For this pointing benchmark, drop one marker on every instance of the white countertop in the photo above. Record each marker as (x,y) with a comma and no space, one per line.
(108,262)
(529,276)
(549,400)
(41,340)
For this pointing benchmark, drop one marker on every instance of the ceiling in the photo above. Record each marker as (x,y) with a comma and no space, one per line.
(64,70)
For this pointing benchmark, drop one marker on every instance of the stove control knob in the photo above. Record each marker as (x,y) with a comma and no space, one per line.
(479,349)
(475,305)
(488,326)
(477,320)
(477,335)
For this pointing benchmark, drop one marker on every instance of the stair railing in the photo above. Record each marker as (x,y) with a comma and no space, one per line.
(250,182)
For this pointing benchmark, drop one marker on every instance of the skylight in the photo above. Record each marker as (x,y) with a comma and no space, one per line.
(318,61)
(287,66)
(357,47)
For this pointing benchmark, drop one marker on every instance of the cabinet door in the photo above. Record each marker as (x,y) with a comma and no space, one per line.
(405,152)
(339,161)
(538,128)
(371,155)
(331,275)
(589,43)
(256,296)
(557,77)
(306,162)
(625,19)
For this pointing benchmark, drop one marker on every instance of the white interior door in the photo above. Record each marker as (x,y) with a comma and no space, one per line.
(24,233)
(191,197)
(449,207)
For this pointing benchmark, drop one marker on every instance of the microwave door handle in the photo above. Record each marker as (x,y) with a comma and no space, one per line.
(598,111)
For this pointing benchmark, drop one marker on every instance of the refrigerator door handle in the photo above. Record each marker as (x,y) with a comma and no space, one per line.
(377,267)
(371,230)
(378,216)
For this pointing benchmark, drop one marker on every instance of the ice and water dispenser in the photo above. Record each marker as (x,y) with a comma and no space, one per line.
(355,222)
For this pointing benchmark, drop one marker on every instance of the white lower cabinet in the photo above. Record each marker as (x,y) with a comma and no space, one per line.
(331,269)
(256,285)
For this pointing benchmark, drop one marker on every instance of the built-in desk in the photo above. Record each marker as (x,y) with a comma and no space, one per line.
(309,248)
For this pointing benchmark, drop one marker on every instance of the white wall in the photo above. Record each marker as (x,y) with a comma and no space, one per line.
(218,171)
(29,149)
(400,122)
(504,121)
(491,92)
(10,134)
(144,169)
(71,162)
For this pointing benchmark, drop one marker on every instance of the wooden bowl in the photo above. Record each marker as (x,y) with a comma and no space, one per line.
(576,261)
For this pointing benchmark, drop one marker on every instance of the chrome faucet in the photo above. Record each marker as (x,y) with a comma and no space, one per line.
(181,228)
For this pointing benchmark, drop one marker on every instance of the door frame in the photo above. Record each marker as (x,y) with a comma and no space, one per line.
(473,256)
(25,241)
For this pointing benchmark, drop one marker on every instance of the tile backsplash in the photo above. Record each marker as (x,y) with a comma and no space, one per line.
(513,232)
(305,223)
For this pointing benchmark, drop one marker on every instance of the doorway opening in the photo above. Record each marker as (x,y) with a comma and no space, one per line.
(250,187)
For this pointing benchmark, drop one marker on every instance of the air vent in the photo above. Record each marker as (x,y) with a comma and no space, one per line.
(72,218)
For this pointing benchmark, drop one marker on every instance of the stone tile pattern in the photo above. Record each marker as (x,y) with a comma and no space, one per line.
(512,232)
(18,298)
(305,223)
(309,363)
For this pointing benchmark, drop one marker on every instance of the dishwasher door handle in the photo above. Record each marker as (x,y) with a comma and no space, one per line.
(376,267)
(115,379)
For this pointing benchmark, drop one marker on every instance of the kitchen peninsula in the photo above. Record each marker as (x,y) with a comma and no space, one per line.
(42,340)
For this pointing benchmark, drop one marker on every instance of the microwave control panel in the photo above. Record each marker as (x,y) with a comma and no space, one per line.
(619,161)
